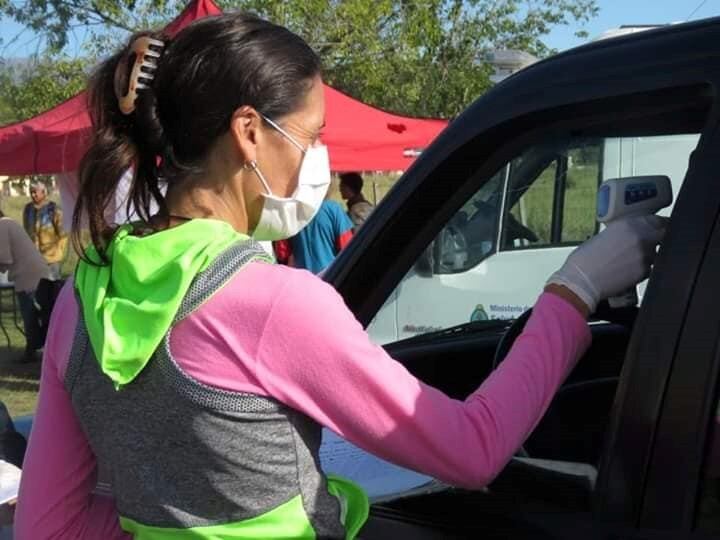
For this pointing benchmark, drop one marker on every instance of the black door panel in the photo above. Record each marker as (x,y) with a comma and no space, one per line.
(456,366)
(574,425)
(519,505)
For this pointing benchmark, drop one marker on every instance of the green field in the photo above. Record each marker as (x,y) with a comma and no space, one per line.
(18,382)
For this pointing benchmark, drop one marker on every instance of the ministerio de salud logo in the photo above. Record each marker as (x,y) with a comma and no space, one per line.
(479,314)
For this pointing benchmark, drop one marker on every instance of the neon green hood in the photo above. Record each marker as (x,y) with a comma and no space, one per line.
(130,304)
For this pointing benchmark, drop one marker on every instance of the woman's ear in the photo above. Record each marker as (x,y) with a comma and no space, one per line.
(244,130)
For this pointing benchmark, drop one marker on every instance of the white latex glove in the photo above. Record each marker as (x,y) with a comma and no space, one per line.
(613,261)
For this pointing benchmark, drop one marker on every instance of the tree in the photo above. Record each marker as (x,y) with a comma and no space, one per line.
(422,57)
(419,57)
(30,88)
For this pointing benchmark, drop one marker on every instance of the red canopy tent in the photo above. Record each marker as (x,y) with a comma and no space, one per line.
(359,137)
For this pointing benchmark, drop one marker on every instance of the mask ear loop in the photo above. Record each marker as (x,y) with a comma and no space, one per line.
(285,134)
(252,166)
(147,53)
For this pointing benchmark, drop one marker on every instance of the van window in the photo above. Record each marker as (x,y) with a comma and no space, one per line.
(583,177)
(471,234)
(492,258)
(556,207)
(530,217)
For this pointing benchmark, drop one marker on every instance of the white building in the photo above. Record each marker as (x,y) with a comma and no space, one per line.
(625,30)
(508,61)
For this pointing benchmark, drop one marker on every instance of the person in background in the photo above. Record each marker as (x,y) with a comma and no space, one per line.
(351,185)
(26,268)
(42,220)
(317,245)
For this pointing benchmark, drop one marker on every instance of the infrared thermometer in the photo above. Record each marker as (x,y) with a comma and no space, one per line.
(628,197)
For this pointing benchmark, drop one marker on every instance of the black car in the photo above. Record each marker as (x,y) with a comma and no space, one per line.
(627,448)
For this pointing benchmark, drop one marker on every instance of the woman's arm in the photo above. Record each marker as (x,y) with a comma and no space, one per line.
(315,357)
(59,471)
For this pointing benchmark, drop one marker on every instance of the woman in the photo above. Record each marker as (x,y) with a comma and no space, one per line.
(193,374)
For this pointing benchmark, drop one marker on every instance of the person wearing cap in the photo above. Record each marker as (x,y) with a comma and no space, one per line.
(42,220)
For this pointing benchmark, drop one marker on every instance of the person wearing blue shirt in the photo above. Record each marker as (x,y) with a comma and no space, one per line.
(317,245)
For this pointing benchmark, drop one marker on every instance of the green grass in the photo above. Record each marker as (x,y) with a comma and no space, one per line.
(19,383)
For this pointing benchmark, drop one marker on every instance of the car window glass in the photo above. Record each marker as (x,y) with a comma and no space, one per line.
(492,258)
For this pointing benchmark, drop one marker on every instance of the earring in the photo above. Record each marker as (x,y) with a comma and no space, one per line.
(250,165)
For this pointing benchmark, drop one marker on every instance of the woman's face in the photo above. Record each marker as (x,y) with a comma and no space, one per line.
(277,158)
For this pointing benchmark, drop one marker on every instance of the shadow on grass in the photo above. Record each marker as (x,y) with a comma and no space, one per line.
(19,383)
(12,368)
(15,385)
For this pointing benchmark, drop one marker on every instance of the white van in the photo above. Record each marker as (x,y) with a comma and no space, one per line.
(536,209)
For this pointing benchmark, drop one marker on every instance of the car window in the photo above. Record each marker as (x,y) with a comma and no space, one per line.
(492,258)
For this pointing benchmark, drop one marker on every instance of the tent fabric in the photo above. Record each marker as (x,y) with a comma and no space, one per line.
(358,136)
(362,138)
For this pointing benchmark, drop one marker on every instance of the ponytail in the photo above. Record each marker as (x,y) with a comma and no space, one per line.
(120,144)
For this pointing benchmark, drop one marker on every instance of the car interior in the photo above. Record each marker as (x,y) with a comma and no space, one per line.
(555,471)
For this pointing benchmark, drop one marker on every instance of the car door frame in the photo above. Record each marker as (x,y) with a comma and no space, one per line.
(681,437)
(640,437)
(436,186)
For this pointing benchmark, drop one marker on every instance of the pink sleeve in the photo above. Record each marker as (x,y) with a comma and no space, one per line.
(59,471)
(315,357)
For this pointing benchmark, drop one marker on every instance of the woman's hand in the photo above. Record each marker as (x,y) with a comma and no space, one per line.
(613,261)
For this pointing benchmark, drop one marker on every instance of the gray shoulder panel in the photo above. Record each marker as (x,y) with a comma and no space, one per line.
(81,342)
(220,271)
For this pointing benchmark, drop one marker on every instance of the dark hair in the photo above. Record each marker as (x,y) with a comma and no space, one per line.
(206,72)
(353,181)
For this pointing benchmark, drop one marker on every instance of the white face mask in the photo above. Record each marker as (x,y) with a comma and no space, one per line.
(283,217)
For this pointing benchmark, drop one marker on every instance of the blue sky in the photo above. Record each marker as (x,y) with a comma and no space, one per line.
(613,13)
